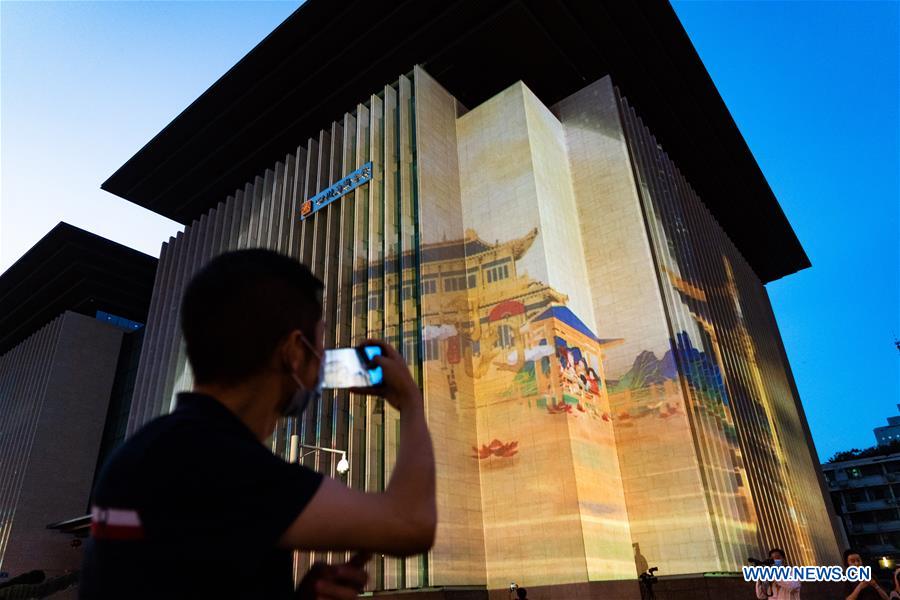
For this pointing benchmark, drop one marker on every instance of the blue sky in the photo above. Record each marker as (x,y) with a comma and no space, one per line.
(815,90)
(85,85)
(813,86)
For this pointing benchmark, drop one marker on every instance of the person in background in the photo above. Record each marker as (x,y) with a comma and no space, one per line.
(895,593)
(863,590)
(778,590)
(522,594)
(196,505)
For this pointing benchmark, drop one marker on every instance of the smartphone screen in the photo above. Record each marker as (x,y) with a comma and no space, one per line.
(351,367)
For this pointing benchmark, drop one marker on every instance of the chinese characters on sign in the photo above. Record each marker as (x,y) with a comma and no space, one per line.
(330,194)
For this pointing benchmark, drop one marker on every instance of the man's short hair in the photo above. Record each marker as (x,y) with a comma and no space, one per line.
(779,551)
(240,306)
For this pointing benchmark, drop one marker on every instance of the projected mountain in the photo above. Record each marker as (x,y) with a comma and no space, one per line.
(647,370)
(700,370)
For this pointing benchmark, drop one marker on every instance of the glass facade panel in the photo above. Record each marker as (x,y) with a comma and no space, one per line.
(736,389)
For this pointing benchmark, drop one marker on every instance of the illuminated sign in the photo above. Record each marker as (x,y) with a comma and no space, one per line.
(331,193)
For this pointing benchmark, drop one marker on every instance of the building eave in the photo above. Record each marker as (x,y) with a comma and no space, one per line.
(297,79)
(72,269)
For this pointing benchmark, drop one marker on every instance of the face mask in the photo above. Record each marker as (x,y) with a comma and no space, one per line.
(303,396)
(777,562)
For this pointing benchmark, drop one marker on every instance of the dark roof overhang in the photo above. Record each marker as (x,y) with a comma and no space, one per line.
(72,269)
(331,54)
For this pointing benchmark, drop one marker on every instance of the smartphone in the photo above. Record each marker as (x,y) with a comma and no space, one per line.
(352,367)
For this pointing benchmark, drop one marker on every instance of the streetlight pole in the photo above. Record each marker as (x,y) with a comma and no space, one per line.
(294,456)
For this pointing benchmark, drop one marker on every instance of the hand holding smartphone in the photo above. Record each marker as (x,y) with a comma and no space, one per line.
(396,383)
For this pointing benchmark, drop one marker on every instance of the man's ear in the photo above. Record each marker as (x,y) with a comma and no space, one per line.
(293,350)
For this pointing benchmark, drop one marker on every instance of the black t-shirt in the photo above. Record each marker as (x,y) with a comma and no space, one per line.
(192,507)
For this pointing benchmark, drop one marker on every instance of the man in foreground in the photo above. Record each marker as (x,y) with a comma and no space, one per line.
(194,505)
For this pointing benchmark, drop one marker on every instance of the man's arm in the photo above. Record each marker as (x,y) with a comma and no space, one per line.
(400,521)
(879,590)
(863,585)
(854,594)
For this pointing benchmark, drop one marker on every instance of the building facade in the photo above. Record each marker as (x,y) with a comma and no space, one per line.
(72,311)
(866,495)
(603,374)
(890,433)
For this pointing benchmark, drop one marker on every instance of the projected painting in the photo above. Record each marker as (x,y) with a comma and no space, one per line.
(544,443)
(524,340)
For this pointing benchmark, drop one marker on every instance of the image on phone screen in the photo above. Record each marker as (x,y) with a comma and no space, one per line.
(349,367)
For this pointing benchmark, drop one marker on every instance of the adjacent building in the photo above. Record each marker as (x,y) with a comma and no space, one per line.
(866,495)
(890,433)
(71,322)
(549,209)
(865,492)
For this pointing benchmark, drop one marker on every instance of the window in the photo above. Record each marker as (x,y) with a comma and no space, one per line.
(836,501)
(432,349)
(454,284)
(871,470)
(429,286)
(864,517)
(408,292)
(505,336)
(856,496)
(886,515)
(871,539)
(879,492)
(473,281)
(120,322)
(497,273)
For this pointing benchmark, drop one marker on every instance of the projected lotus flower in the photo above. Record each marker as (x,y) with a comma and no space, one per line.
(496,448)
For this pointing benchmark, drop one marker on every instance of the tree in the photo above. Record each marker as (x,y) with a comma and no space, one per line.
(855,453)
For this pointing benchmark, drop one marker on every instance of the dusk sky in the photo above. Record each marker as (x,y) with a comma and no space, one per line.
(813,86)
(815,90)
